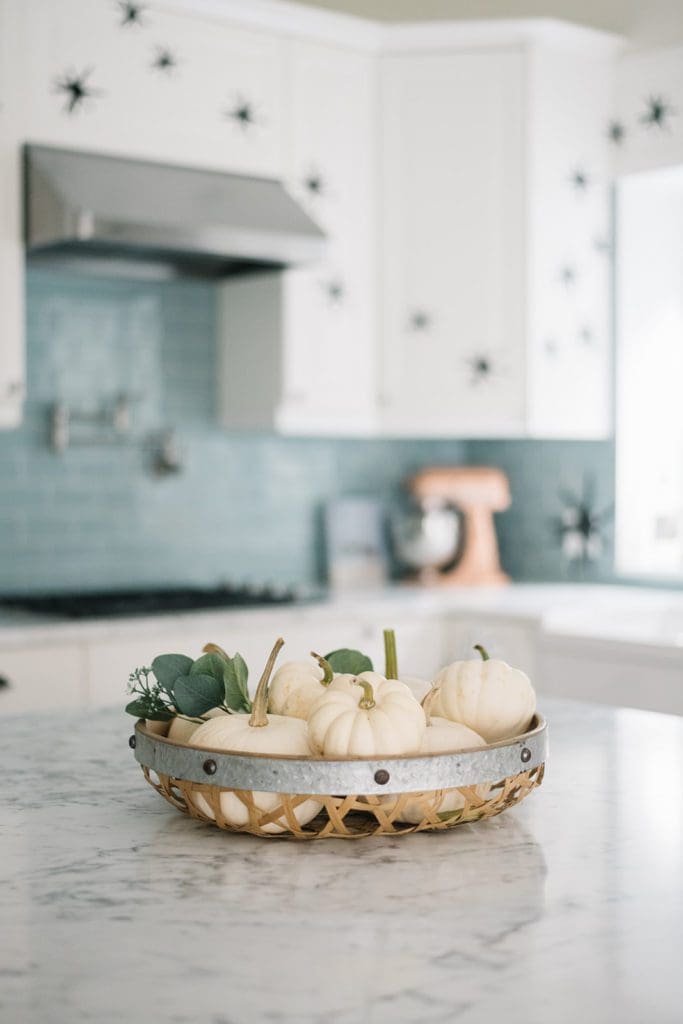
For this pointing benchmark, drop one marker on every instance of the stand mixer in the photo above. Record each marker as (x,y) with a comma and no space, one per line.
(478,492)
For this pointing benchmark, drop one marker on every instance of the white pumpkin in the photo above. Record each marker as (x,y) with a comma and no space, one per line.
(441,737)
(487,695)
(182,729)
(297,685)
(258,733)
(366,716)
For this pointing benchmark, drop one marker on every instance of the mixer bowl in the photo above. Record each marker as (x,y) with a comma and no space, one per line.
(427,534)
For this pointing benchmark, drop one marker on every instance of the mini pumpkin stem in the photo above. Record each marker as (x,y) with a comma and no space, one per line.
(326,667)
(215,649)
(429,701)
(258,717)
(390,657)
(482,650)
(367,701)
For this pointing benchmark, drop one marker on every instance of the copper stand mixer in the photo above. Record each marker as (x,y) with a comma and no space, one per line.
(478,492)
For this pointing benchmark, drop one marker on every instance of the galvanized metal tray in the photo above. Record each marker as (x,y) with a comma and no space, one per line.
(320,776)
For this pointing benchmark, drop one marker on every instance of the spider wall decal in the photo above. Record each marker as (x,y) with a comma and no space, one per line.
(420,320)
(481,368)
(75,89)
(568,275)
(131,13)
(315,184)
(616,132)
(242,114)
(335,291)
(164,60)
(657,112)
(581,530)
(579,180)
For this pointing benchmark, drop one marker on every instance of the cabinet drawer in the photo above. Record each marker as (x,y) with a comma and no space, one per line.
(42,678)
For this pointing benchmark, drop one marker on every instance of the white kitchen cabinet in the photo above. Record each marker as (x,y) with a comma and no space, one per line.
(452,168)
(495,222)
(612,672)
(305,363)
(47,677)
(217,104)
(12,330)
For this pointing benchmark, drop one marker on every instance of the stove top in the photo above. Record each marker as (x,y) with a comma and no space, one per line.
(124,603)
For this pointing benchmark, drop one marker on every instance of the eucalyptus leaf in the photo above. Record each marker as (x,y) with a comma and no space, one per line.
(195,695)
(168,667)
(235,678)
(349,661)
(209,665)
(141,709)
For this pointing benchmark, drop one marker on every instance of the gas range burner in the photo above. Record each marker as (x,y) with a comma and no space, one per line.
(124,603)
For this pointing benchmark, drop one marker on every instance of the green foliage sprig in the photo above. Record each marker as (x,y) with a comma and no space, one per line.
(178,685)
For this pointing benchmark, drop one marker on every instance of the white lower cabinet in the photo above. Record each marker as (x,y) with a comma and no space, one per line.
(42,678)
(608,672)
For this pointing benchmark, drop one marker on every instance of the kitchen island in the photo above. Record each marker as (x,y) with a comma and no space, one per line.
(117,908)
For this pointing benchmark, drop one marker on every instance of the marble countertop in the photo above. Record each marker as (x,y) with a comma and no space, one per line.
(117,908)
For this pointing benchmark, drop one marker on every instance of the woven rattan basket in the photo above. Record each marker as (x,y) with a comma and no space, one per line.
(311,798)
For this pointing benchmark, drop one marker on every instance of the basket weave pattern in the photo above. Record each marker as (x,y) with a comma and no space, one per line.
(351,816)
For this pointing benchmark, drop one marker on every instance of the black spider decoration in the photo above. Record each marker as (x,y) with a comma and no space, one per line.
(76,90)
(616,132)
(164,60)
(580,529)
(579,179)
(131,13)
(335,292)
(481,368)
(657,112)
(420,320)
(314,183)
(568,275)
(242,113)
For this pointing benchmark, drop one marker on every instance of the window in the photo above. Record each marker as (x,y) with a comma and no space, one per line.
(649,331)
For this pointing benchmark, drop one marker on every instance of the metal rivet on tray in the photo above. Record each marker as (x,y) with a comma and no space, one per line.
(209,767)
(381,776)
(525,755)
(131,742)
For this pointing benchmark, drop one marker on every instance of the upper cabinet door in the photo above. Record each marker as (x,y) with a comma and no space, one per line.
(128,78)
(569,244)
(453,205)
(330,313)
(12,328)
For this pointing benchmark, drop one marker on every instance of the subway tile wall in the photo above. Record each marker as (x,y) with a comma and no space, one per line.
(244,507)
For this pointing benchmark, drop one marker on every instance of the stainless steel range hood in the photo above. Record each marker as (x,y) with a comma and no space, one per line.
(102,210)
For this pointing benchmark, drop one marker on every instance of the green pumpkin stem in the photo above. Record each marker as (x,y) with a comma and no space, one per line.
(367,701)
(258,717)
(482,650)
(328,671)
(215,649)
(390,658)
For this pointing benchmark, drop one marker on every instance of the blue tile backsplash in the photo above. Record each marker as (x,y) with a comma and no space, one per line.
(245,507)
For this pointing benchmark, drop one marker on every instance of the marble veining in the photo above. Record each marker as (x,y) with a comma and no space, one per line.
(116,908)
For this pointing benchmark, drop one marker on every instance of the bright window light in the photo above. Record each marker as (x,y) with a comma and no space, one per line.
(649,325)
